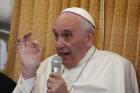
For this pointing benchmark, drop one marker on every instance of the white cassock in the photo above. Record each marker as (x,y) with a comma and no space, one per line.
(98,72)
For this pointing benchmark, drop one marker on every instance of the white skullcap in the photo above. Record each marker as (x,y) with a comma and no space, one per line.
(81,12)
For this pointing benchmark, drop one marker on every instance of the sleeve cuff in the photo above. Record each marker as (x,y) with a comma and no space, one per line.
(27,84)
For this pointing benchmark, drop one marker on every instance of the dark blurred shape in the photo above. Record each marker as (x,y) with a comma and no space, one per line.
(7,85)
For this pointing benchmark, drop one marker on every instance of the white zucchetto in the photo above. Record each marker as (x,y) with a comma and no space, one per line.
(81,12)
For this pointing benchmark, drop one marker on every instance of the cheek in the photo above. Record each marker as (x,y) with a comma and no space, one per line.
(76,52)
(76,48)
(79,50)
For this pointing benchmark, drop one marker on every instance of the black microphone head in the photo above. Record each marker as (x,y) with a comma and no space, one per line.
(56,64)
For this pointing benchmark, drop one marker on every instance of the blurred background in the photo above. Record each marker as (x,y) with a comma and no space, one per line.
(6,7)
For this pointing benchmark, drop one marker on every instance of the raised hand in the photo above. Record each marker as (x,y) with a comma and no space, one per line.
(30,55)
(56,84)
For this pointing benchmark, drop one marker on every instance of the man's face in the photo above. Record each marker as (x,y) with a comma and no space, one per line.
(71,40)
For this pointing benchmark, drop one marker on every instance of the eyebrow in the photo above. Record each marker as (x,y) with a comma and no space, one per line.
(65,30)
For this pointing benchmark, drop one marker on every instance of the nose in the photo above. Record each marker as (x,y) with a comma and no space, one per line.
(59,43)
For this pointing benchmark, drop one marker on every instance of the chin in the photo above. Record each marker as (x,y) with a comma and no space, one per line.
(67,63)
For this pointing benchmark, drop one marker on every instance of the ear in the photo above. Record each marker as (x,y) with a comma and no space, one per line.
(91,38)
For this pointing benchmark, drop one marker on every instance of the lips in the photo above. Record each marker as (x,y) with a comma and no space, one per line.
(63,53)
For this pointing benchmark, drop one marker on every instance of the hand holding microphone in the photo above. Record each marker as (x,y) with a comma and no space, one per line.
(55,83)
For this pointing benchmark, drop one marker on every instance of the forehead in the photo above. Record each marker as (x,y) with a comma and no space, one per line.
(68,21)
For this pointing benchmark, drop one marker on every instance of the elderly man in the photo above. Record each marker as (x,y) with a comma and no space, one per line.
(85,69)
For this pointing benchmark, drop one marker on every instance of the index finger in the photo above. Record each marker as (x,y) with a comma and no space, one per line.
(55,75)
(26,36)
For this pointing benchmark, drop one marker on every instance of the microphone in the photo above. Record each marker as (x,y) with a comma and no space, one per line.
(56,64)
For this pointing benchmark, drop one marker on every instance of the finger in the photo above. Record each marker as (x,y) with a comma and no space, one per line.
(50,82)
(36,46)
(19,44)
(51,79)
(49,85)
(55,75)
(49,91)
(26,37)
(35,43)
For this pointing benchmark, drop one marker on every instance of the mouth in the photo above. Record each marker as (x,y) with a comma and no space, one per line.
(64,54)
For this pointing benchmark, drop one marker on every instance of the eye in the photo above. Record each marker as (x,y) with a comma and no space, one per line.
(67,36)
(56,36)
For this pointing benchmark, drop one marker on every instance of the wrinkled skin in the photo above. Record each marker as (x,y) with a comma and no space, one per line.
(29,53)
(72,42)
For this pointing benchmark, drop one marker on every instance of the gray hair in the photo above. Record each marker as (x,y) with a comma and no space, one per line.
(86,25)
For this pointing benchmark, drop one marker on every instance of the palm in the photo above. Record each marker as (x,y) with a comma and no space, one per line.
(30,56)
(29,53)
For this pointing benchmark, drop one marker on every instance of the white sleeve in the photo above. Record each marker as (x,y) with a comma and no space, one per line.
(24,86)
